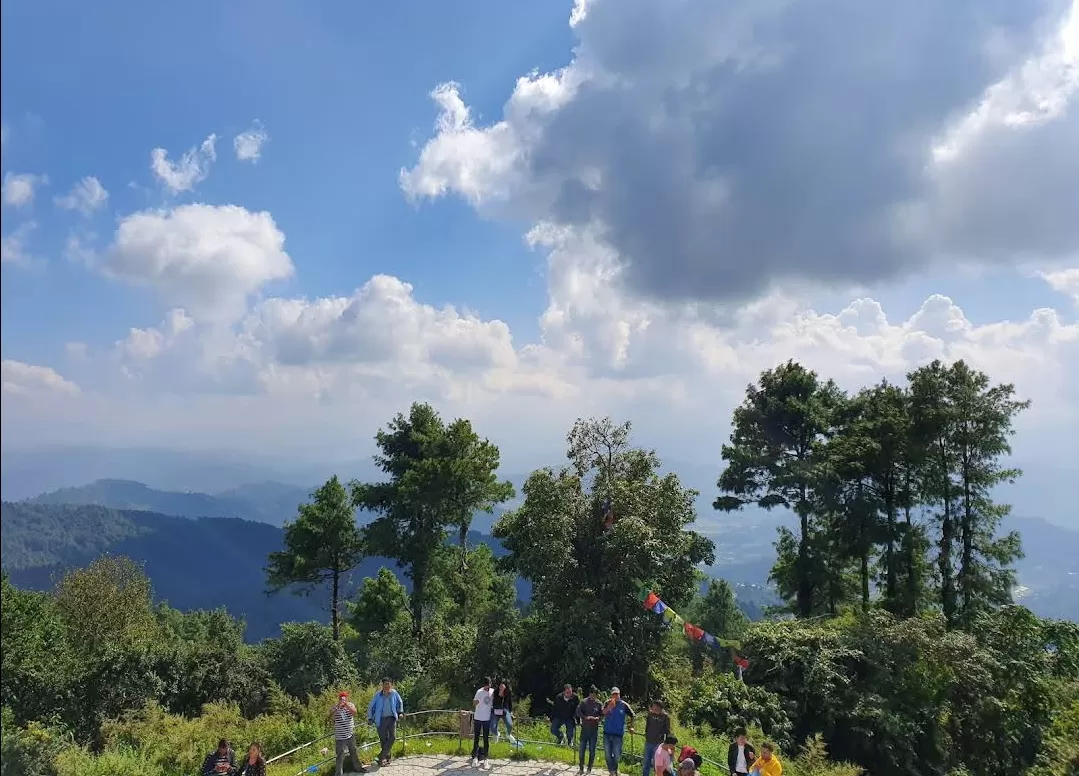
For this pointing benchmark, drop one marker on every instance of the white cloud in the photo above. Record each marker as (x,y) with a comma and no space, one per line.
(190,170)
(29,380)
(722,150)
(86,196)
(1066,281)
(248,145)
(207,259)
(13,245)
(19,188)
(77,351)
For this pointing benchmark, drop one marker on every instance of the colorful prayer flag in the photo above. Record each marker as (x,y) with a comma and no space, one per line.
(733,643)
(651,601)
(659,607)
(693,631)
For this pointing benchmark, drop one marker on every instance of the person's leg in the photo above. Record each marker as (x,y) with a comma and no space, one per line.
(607,746)
(571,731)
(340,748)
(592,742)
(556,729)
(486,739)
(509,727)
(649,756)
(617,753)
(357,764)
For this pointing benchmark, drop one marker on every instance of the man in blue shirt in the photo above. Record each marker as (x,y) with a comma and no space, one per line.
(385,709)
(615,714)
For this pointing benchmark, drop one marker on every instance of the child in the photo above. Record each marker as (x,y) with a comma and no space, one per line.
(767,764)
(664,758)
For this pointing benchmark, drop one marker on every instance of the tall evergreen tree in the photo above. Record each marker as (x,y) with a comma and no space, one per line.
(321,545)
(439,476)
(773,460)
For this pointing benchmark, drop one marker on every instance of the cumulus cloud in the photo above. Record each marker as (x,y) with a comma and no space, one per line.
(189,170)
(720,150)
(1066,281)
(23,379)
(13,246)
(248,145)
(207,259)
(86,196)
(19,188)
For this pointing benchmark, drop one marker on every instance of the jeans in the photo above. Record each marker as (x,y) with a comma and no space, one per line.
(505,718)
(343,747)
(649,758)
(556,729)
(481,728)
(589,738)
(612,750)
(387,734)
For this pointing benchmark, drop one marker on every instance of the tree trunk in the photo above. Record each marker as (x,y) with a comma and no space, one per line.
(966,579)
(865,581)
(803,585)
(335,617)
(889,547)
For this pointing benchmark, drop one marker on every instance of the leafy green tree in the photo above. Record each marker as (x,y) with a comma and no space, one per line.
(307,659)
(321,545)
(108,605)
(586,622)
(724,704)
(381,600)
(773,460)
(716,612)
(439,476)
(36,660)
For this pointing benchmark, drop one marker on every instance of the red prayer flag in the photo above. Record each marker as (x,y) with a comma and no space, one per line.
(693,631)
(651,601)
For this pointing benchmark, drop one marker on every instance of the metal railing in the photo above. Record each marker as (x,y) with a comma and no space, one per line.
(408,730)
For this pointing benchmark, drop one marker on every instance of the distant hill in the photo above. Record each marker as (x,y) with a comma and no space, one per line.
(200,563)
(267,502)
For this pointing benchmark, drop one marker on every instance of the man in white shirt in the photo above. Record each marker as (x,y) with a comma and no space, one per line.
(740,754)
(482,704)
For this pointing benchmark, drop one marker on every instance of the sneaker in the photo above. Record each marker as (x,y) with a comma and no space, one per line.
(471,762)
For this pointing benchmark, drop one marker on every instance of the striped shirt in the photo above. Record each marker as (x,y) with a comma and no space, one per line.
(344,723)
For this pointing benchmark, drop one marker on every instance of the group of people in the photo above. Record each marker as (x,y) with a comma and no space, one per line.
(492,707)
(569,712)
(222,761)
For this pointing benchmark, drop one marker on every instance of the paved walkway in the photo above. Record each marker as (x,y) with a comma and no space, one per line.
(436,765)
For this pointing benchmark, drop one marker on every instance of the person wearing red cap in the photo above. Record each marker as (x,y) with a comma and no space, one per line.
(344,733)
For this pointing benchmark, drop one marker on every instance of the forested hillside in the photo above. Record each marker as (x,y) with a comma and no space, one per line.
(901,652)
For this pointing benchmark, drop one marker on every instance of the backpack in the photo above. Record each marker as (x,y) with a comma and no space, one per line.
(689,753)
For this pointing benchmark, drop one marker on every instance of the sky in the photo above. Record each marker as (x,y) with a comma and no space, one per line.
(270,226)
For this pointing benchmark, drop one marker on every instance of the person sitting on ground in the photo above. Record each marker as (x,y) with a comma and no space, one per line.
(221,761)
(254,764)
(664,756)
(687,768)
(689,753)
(767,764)
(740,754)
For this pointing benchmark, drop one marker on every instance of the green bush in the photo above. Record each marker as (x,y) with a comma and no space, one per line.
(724,703)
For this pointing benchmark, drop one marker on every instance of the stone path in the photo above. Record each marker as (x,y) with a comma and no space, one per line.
(437,765)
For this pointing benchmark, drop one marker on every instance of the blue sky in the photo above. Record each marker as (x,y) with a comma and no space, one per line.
(632,207)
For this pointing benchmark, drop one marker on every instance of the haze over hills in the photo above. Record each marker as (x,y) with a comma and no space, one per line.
(149,524)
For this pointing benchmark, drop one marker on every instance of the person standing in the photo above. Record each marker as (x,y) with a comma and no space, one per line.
(656,729)
(740,754)
(503,712)
(482,706)
(589,712)
(384,711)
(616,714)
(564,714)
(343,715)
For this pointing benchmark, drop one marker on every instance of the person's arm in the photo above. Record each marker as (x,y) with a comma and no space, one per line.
(475,701)
(351,708)
(371,709)
(629,715)
(400,703)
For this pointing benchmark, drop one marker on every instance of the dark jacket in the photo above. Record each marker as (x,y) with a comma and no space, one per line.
(503,701)
(247,769)
(209,765)
(589,708)
(656,727)
(732,756)
(565,708)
